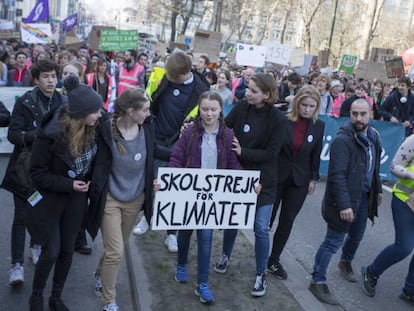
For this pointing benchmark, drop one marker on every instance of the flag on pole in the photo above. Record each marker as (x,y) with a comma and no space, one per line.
(39,13)
(70,22)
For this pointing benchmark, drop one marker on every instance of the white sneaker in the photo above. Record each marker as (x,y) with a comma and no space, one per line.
(16,275)
(110,307)
(171,243)
(142,227)
(34,253)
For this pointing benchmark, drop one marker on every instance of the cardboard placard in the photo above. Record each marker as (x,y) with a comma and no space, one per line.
(372,70)
(207,43)
(278,53)
(250,55)
(394,67)
(348,63)
(205,199)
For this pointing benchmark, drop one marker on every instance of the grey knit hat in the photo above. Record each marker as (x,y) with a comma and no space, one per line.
(82,99)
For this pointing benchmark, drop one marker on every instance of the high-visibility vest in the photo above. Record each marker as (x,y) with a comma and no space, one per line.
(404,187)
(154,82)
(89,81)
(129,79)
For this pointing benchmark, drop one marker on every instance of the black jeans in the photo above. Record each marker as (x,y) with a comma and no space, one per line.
(18,234)
(291,199)
(58,250)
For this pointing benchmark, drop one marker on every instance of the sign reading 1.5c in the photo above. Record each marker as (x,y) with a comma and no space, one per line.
(278,53)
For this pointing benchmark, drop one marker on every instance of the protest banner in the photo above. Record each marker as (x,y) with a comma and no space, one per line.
(348,63)
(394,67)
(278,53)
(250,55)
(392,136)
(207,43)
(205,199)
(118,40)
(36,33)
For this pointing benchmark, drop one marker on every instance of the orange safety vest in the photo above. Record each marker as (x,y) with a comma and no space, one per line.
(89,80)
(128,79)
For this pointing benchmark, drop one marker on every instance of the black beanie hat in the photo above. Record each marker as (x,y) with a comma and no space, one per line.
(82,99)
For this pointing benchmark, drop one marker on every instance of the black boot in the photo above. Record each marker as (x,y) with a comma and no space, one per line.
(56,304)
(36,302)
(81,245)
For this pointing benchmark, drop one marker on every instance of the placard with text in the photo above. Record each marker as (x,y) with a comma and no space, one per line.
(205,199)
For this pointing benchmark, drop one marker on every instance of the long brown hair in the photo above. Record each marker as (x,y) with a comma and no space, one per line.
(77,135)
(131,98)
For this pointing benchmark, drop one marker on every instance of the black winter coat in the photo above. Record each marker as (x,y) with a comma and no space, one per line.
(346,175)
(260,133)
(24,122)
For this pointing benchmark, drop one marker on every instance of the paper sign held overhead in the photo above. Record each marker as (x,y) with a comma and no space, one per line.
(348,63)
(394,67)
(278,53)
(250,55)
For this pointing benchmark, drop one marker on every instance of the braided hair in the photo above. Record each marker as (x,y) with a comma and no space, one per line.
(197,125)
(131,98)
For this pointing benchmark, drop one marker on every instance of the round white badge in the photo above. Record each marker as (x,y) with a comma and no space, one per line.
(176,92)
(310,138)
(137,157)
(246,128)
(71,174)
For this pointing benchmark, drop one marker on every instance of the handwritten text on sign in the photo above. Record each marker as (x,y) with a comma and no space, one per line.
(205,199)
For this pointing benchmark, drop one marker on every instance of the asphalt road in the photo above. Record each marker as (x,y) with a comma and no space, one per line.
(307,235)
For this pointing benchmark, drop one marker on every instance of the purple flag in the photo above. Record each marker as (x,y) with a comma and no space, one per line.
(39,13)
(69,22)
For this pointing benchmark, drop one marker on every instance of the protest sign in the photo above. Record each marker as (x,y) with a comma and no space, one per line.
(278,53)
(250,55)
(118,40)
(147,44)
(8,96)
(207,43)
(348,63)
(36,33)
(305,68)
(297,58)
(205,199)
(372,70)
(394,67)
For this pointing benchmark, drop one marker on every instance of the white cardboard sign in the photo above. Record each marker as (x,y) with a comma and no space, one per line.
(250,55)
(205,199)
(278,53)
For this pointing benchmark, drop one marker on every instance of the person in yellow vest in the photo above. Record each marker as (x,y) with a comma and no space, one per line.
(131,73)
(353,193)
(403,214)
(174,95)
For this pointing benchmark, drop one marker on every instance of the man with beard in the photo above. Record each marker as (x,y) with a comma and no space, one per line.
(131,73)
(353,193)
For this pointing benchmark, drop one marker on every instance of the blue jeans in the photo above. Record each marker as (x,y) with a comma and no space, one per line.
(261,233)
(204,239)
(334,240)
(403,245)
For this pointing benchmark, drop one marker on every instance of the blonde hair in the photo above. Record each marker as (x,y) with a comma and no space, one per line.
(77,135)
(307,91)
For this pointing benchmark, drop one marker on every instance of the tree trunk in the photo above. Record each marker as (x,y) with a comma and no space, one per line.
(367,30)
(174,14)
(186,17)
(285,21)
